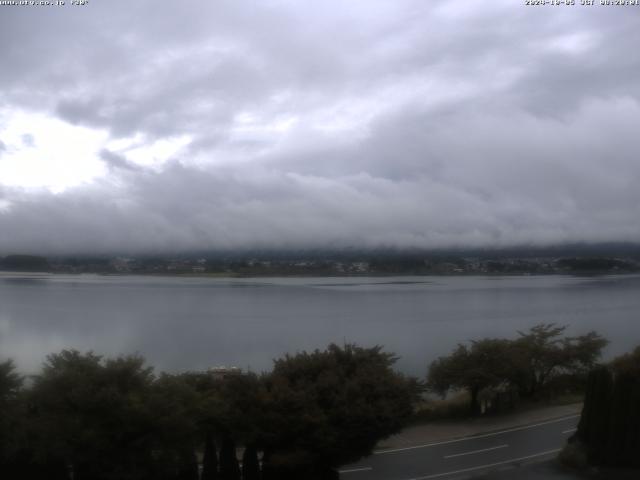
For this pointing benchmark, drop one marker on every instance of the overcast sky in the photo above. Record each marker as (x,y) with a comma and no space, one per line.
(177,125)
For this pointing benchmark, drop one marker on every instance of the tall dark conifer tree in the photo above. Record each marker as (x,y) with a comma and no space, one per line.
(210,459)
(188,469)
(229,468)
(250,464)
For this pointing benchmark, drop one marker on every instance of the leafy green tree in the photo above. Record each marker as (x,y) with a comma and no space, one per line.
(327,408)
(108,419)
(111,418)
(486,363)
(239,408)
(528,362)
(93,413)
(628,364)
(10,381)
(174,404)
(10,385)
(542,352)
(18,458)
(229,409)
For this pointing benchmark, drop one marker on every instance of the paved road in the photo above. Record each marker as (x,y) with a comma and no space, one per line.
(465,457)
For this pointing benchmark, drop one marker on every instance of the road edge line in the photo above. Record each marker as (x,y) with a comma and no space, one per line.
(473,437)
(490,465)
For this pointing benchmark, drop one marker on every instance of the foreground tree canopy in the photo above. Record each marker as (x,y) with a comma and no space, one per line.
(528,364)
(329,408)
(97,418)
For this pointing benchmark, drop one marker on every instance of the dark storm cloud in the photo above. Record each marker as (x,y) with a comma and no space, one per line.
(347,123)
(115,161)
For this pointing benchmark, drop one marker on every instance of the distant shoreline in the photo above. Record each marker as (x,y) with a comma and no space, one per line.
(8,273)
(337,264)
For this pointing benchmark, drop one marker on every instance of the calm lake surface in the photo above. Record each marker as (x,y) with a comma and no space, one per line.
(195,323)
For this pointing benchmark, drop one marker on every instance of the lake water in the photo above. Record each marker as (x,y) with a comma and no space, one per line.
(195,323)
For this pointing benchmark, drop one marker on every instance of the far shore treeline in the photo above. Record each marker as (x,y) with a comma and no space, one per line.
(568,259)
(84,416)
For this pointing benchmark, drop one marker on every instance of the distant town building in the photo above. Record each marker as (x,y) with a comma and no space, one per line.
(222,372)
(121,265)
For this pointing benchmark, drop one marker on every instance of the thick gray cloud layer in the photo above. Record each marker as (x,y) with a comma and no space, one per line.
(360,123)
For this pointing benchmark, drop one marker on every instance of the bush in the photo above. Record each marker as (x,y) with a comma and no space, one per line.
(454,406)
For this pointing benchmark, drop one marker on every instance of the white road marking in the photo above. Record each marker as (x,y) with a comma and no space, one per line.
(570,430)
(476,451)
(354,470)
(489,465)
(446,442)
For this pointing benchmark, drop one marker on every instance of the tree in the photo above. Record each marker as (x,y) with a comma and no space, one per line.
(188,465)
(229,467)
(92,413)
(210,459)
(18,459)
(10,381)
(327,408)
(542,353)
(628,364)
(173,404)
(24,263)
(528,362)
(229,409)
(487,363)
(236,408)
(10,417)
(609,427)
(108,419)
(111,418)
(594,421)
(250,464)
